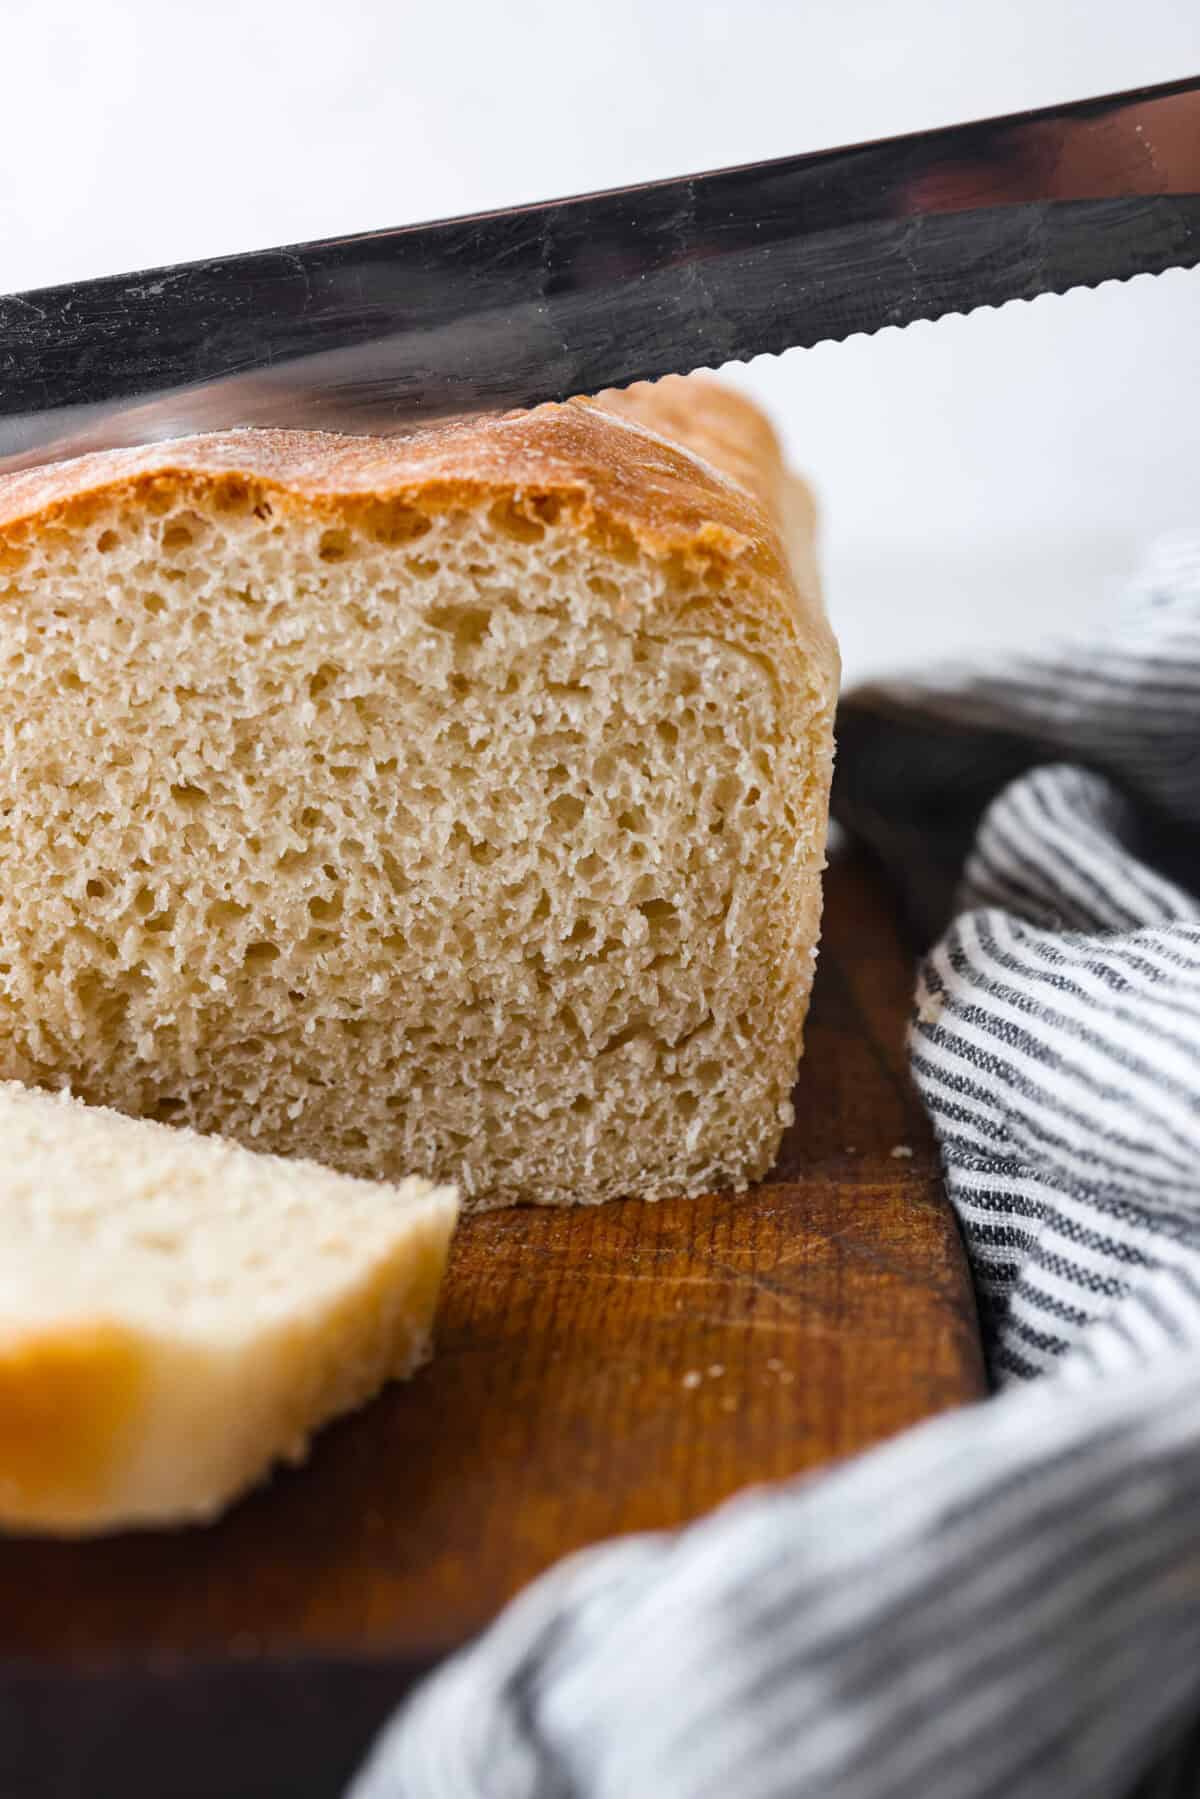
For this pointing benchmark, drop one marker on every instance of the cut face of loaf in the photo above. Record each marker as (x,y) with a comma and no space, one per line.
(454,805)
(177,1313)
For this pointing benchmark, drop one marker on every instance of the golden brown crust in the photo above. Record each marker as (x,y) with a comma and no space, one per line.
(69,1402)
(724,509)
(720,426)
(681,468)
(569,452)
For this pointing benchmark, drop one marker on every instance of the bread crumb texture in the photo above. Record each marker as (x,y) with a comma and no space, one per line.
(178,1313)
(454,808)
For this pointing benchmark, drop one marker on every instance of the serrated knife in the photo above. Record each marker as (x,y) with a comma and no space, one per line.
(390,329)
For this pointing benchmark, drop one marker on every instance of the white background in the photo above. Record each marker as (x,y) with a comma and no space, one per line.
(982,479)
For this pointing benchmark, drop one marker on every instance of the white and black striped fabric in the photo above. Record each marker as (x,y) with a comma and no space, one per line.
(1005,1601)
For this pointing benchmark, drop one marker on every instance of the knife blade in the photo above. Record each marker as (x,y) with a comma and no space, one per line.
(388,330)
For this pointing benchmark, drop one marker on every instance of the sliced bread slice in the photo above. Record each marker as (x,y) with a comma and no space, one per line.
(177,1313)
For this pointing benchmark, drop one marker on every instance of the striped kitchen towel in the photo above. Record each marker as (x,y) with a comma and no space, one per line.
(1006,1600)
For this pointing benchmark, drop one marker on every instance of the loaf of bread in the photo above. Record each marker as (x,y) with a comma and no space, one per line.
(178,1313)
(452,805)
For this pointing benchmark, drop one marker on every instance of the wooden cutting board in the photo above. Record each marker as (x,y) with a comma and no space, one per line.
(598,1371)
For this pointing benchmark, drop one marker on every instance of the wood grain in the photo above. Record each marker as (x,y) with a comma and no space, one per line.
(598,1371)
